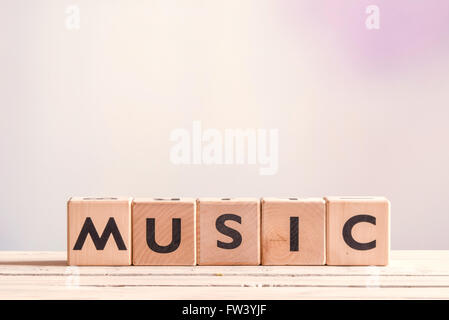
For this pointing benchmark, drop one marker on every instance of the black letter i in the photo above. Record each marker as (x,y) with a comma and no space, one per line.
(294,234)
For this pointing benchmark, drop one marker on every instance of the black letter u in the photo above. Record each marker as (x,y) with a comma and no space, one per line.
(176,236)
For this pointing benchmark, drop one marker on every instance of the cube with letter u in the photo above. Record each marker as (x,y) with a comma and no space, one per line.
(164,231)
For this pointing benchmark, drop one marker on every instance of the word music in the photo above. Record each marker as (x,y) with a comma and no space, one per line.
(228,231)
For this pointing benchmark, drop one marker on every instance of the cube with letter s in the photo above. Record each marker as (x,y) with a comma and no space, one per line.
(228,231)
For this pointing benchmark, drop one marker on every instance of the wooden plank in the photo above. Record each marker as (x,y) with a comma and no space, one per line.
(74,280)
(207,293)
(403,262)
(45,275)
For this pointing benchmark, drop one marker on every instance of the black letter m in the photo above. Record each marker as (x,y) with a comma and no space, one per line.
(99,242)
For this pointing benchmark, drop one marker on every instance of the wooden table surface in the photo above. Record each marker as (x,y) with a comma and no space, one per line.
(45,275)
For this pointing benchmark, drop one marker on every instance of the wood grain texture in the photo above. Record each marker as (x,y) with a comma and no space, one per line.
(100,211)
(45,275)
(308,246)
(163,211)
(339,212)
(248,252)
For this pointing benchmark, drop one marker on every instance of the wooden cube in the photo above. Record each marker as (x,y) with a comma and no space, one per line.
(358,231)
(99,231)
(228,231)
(164,231)
(293,231)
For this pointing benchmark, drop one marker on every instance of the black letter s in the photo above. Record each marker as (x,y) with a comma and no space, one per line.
(232,233)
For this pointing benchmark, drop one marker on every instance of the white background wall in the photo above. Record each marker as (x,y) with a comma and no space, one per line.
(89,111)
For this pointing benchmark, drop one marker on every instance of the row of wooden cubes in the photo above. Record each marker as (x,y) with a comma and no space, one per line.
(225,231)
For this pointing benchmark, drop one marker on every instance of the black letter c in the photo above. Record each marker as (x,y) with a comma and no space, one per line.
(347,232)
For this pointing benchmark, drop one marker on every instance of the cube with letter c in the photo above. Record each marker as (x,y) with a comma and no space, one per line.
(358,231)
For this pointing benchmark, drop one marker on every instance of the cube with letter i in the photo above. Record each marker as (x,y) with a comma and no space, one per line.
(293,231)
(358,231)
(99,231)
(228,231)
(164,231)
